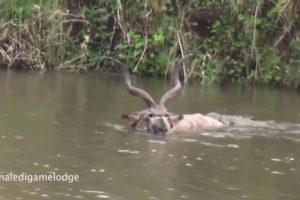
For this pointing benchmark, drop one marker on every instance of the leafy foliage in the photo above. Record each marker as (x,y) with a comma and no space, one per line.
(256,41)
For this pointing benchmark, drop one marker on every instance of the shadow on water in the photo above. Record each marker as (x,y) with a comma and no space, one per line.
(70,123)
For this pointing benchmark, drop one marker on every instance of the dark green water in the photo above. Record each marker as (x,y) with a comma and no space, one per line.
(70,123)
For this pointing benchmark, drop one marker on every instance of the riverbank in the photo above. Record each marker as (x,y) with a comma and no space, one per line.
(254,42)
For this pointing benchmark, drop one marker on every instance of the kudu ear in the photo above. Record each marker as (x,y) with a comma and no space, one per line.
(131,119)
(175,119)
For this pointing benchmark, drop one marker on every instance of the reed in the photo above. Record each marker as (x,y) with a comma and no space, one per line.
(34,35)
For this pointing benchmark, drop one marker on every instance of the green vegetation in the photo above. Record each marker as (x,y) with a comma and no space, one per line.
(255,41)
(34,34)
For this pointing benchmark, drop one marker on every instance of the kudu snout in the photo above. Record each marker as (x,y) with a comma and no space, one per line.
(157,118)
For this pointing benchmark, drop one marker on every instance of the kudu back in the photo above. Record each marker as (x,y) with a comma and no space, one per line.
(156,116)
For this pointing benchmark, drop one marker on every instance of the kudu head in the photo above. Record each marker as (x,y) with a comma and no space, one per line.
(157,118)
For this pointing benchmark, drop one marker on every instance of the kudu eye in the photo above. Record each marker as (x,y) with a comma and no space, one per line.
(150,115)
(166,115)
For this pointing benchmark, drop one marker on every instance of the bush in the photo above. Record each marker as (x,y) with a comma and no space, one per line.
(255,41)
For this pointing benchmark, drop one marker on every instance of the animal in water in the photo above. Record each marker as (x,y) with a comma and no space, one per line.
(156,117)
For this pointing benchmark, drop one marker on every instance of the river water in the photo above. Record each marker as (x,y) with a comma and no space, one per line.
(70,123)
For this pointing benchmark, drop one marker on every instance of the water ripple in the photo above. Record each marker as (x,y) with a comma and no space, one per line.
(157,141)
(101,196)
(277,173)
(93,191)
(117,127)
(128,151)
(235,146)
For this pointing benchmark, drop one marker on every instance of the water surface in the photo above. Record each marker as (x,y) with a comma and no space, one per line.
(70,123)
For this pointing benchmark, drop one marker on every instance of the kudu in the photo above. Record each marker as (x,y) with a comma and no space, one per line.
(156,117)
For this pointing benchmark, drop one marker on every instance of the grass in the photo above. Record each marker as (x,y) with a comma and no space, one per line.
(34,35)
